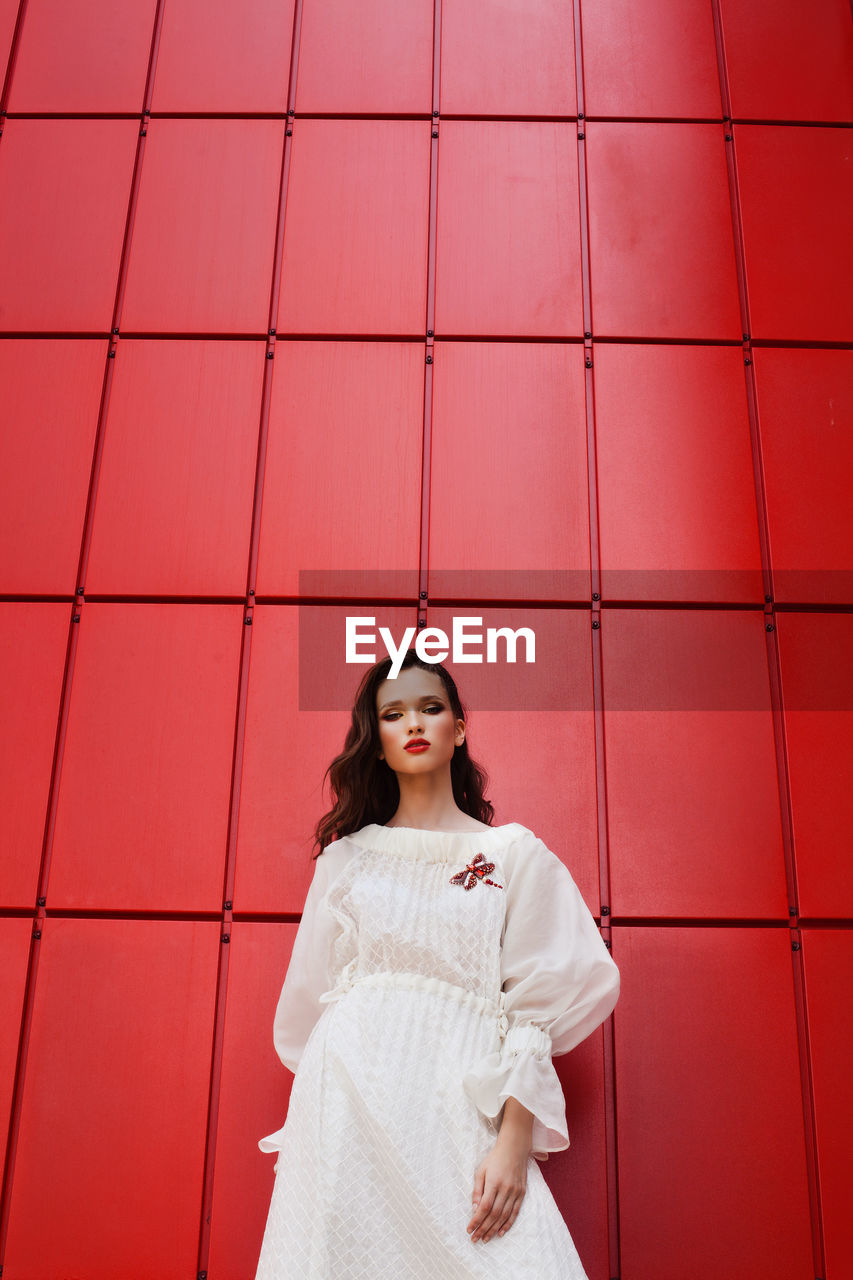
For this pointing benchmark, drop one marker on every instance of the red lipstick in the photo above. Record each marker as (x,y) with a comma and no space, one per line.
(417,745)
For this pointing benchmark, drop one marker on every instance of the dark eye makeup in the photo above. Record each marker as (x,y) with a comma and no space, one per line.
(434,706)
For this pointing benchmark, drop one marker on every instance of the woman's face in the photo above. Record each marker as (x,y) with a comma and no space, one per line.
(413,707)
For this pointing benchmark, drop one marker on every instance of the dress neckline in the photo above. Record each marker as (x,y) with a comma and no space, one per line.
(439,831)
(434,846)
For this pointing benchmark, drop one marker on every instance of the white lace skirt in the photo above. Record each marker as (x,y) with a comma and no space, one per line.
(377,1157)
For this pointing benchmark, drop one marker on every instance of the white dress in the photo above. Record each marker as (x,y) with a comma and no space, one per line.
(411,1009)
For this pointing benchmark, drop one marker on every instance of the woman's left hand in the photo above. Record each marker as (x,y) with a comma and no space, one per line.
(500,1184)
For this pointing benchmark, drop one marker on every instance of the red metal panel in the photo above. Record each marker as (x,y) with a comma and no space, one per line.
(661,246)
(372,57)
(208,198)
(143,806)
(216,56)
(8,18)
(255,1092)
(289,743)
(650,60)
(805,401)
(677,517)
(508,238)
(182,437)
(828,963)
(508,59)
(578,1177)
(345,418)
(711,1143)
(356,236)
(816,652)
(109,1164)
(789,61)
(51,396)
(14,953)
(796,192)
(522,756)
(33,638)
(83,55)
(64,188)
(499,507)
(692,792)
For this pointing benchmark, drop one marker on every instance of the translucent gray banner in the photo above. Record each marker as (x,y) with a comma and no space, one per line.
(674,653)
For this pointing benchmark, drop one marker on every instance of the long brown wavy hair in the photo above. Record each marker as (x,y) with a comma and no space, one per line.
(365,788)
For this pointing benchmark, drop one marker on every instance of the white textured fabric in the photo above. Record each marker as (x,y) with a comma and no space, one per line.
(412,1008)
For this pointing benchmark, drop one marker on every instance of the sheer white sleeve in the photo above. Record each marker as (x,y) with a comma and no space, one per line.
(309,973)
(559,983)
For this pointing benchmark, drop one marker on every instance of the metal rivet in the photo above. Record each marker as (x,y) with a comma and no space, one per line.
(596,595)
(580,115)
(226,937)
(795,946)
(435,113)
(248,622)
(421,622)
(429,359)
(41,902)
(288,133)
(588,363)
(422,595)
(587,333)
(435,133)
(228,906)
(430,333)
(605,911)
(581,136)
(37,933)
(596,625)
(770,627)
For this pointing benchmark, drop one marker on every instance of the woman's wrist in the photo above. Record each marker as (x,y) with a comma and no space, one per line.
(516,1123)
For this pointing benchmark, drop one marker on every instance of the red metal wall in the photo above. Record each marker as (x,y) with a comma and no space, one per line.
(536,311)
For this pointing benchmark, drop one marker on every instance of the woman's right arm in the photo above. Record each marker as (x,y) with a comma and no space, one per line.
(309,972)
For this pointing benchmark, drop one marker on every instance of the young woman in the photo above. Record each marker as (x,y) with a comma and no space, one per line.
(440,963)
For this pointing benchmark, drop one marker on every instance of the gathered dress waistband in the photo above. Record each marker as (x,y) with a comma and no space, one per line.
(421,982)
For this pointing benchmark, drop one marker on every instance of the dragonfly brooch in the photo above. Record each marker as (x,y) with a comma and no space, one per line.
(476,870)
